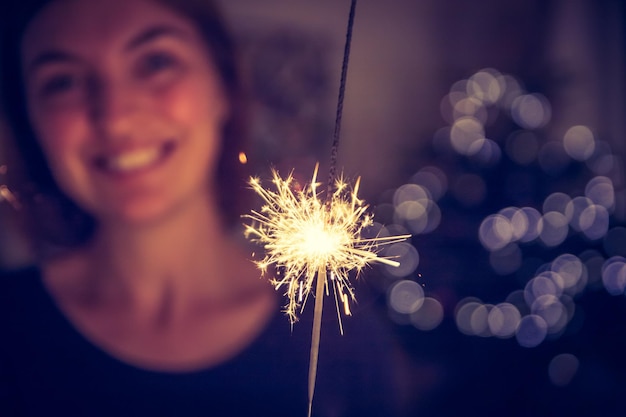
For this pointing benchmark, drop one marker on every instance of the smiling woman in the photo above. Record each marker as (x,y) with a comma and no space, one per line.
(127,118)
(62,83)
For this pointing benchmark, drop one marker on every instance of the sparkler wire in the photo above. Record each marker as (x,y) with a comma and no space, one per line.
(342,88)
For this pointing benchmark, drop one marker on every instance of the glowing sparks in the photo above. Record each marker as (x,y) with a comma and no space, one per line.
(304,235)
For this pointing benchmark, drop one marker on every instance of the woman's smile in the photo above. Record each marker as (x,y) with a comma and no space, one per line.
(136,160)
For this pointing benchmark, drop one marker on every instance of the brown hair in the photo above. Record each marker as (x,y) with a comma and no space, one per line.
(51,218)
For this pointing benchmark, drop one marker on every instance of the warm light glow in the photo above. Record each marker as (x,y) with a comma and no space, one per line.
(243,158)
(7,195)
(303,234)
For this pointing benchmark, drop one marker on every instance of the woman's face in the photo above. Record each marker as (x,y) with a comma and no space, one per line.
(126,103)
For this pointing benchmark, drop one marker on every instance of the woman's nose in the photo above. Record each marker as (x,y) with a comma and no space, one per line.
(112,107)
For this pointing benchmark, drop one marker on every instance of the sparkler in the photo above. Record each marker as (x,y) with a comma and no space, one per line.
(307,238)
(304,236)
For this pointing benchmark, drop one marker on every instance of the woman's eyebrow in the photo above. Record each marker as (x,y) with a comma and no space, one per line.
(49,57)
(154,33)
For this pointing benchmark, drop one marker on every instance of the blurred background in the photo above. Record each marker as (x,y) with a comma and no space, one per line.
(494,132)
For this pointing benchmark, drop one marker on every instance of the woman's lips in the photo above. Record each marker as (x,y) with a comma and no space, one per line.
(134,160)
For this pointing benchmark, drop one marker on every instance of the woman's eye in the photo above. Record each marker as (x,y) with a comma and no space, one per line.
(59,84)
(155,64)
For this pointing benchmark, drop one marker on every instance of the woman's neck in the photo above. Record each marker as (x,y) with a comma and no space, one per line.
(166,264)
(174,245)
(176,295)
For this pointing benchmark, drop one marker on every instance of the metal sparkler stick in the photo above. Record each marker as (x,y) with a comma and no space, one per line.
(315,335)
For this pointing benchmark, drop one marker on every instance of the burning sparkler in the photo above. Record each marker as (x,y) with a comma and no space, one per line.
(306,238)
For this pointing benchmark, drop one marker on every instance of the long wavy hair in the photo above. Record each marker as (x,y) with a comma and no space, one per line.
(52,220)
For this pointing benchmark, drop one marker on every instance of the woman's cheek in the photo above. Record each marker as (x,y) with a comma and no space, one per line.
(194,99)
(61,133)
(176,103)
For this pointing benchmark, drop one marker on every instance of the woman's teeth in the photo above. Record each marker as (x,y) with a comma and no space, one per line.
(133,160)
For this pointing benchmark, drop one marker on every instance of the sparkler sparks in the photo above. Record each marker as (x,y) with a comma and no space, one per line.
(305,236)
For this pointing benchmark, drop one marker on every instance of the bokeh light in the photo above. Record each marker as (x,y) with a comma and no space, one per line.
(428,316)
(404,253)
(486,85)
(531,111)
(495,232)
(503,320)
(553,227)
(602,161)
(405,296)
(557,201)
(571,271)
(465,133)
(614,275)
(600,191)
(463,315)
(433,179)
(532,330)
(562,369)
(546,216)
(579,142)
